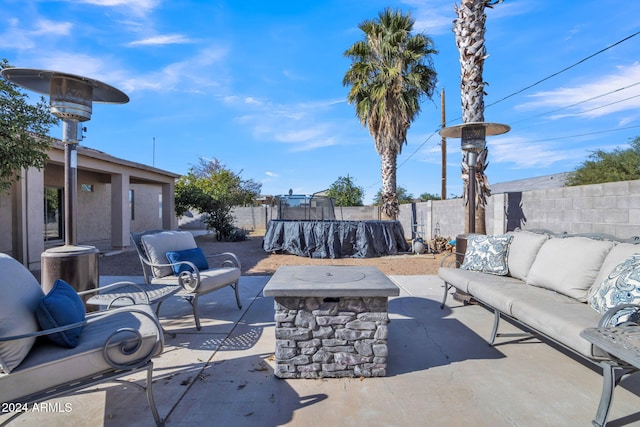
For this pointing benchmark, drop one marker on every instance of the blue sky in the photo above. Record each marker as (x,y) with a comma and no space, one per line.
(258,84)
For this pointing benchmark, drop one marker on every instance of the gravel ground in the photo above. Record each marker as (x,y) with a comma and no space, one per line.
(256,261)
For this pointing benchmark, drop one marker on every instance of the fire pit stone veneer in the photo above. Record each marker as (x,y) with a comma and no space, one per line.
(331,321)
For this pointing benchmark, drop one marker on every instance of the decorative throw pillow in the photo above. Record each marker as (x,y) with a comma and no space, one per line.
(60,307)
(622,286)
(487,254)
(195,256)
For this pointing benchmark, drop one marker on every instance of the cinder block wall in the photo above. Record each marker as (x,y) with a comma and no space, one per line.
(611,208)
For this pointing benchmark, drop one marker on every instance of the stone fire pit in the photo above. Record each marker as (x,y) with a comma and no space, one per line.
(331,321)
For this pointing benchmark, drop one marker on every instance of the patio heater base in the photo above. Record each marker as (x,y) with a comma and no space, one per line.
(76,265)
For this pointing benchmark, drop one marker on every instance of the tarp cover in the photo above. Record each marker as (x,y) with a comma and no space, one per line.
(335,239)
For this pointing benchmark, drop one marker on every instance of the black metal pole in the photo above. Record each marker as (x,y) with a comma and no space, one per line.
(472,158)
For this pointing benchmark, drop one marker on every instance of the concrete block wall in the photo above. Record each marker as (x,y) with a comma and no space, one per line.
(611,208)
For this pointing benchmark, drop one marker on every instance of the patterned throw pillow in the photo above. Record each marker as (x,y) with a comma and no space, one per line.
(487,254)
(622,286)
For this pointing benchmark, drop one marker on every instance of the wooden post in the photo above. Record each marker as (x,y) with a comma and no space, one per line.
(443,145)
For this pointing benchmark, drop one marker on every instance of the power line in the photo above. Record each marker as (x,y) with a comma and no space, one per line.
(582,102)
(584,134)
(565,69)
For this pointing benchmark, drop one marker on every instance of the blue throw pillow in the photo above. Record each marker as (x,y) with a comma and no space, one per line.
(60,307)
(195,256)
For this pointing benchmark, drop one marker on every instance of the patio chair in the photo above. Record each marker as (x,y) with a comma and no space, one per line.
(172,257)
(49,346)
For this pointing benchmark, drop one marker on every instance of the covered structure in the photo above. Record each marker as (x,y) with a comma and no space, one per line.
(115,197)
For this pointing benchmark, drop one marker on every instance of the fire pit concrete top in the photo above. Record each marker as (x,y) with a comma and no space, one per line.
(330,281)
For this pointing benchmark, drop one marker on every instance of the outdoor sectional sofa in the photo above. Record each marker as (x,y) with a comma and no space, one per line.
(554,285)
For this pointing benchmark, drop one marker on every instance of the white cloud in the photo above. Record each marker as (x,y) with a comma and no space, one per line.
(618,86)
(138,7)
(49,28)
(19,38)
(162,40)
(272,174)
(522,153)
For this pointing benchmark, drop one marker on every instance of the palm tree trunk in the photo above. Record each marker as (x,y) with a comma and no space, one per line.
(469,29)
(389,199)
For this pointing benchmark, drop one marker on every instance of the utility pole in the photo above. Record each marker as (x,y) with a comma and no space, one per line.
(154,153)
(443,145)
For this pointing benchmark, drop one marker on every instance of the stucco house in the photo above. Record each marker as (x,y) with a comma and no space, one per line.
(114,196)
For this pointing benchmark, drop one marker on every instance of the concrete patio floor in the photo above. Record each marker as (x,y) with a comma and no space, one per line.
(440,372)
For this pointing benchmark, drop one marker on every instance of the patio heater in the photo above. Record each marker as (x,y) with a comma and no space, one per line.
(71,99)
(473,140)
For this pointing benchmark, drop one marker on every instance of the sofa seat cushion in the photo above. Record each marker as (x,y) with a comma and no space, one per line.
(157,245)
(499,294)
(522,252)
(210,280)
(559,317)
(457,277)
(49,365)
(487,254)
(21,295)
(569,265)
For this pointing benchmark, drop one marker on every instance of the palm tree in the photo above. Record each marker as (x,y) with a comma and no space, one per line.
(469,29)
(391,71)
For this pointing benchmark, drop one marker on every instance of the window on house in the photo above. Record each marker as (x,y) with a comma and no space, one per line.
(53,213)
(132,205)
(160,205)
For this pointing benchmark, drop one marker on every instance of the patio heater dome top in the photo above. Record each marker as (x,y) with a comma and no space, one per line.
(490,129)
(70,96)
(39,81)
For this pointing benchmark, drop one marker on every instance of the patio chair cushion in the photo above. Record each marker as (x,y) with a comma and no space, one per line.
(622,286)
(522,252)
(569,265)
(487,254)
(157,245)
(210,280)
(20,295)
(195,256)
(61,306)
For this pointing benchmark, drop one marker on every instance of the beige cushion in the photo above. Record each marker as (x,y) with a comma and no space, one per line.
(522,252)
(569,265)
(157,245)
(210,280)
(20,295)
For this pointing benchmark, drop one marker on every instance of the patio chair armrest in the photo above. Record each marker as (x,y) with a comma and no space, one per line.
(44,332)
(226,259)
(114,286)
(450,260)
(129,340)
(611,317)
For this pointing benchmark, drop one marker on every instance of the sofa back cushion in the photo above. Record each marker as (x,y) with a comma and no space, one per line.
(21,295)
(522,252)
(569,265)
(157,245)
